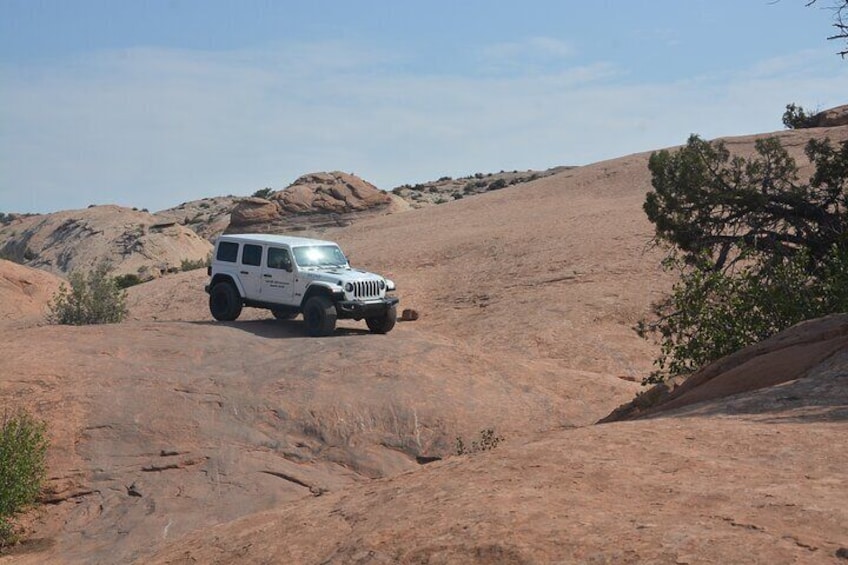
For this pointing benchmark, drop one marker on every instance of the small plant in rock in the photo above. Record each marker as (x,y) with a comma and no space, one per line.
(128,280)
(189,265)
(23,450)
(94,298)
(488,440)
(796,117)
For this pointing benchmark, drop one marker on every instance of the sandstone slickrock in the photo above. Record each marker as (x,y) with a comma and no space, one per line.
(314,202)
(25,293)
(790,355)
(131,241)
(831,117)
(208,217)
(230,430)
(448,189)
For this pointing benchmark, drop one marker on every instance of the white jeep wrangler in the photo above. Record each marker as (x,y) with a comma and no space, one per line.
(294,275)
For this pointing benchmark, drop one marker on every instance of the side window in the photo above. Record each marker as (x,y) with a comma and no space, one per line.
(279,258)
(252,255)
(227,251)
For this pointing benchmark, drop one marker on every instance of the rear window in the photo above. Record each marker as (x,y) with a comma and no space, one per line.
(227,251)
(252,255)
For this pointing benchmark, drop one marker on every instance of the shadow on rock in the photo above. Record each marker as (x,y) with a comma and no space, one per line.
(279,328)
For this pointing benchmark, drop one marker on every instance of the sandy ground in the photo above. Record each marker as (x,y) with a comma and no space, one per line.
(176,439)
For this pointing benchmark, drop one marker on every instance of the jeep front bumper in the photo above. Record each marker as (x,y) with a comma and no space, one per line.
(358,309)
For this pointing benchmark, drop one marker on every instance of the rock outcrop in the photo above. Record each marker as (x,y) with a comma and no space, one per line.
(131,241)
(313,202)
(25,293)
(789,355)
(448,189)
(208,217)
(833,117)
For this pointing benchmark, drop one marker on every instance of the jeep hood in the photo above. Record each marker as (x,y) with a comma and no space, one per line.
(336,275)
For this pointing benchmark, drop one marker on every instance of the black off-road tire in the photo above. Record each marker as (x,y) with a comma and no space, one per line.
(384,323)
(319,315)
(284,314)
(224,302)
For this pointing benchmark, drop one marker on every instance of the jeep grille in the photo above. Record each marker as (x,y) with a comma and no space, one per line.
(366,289)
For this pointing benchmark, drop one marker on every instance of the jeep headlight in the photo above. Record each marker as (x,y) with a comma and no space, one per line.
(382,284)
(348,287)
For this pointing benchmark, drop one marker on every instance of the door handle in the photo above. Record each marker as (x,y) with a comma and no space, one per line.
(267,276)
(243,273)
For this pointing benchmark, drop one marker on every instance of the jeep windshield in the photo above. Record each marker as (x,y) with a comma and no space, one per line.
(320,256)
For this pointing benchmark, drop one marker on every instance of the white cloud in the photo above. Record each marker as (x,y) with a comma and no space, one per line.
(531,55)
(152,128)
(545,47)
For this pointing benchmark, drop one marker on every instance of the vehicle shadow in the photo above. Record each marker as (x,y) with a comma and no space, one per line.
(279,329)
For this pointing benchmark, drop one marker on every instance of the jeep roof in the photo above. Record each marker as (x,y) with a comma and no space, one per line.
(274,238)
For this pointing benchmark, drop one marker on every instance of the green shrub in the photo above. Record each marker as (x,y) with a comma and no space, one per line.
(757,250)
(702,320)
(189,265)
(23,450)
(263,192)
(128,280)
(795,117)
(92,299)
(488,440)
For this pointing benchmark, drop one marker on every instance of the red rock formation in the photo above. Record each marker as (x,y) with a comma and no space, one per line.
(833,117)
(312,202)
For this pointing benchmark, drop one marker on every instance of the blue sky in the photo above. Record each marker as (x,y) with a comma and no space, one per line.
(150,103)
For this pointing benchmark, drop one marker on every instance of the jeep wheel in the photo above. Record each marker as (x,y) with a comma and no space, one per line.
(283,314)
(383,324)
(319,314)
(224,302)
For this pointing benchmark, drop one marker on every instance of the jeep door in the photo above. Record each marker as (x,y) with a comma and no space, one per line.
(249,270)
(278,276)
